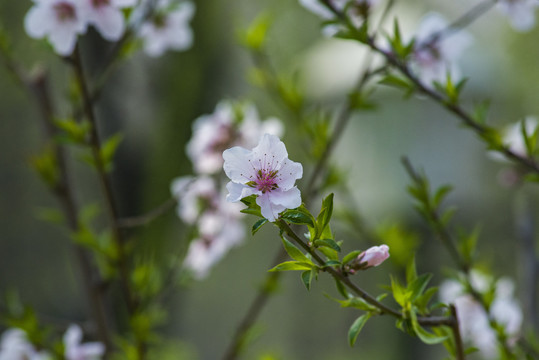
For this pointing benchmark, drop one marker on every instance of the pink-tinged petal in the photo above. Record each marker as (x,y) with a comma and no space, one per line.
(270,150)
(375,255)
(37,21)
(109,22)
(180,185)
(289,173)
(290,199)
(269,210)
(238,166)
(236,191)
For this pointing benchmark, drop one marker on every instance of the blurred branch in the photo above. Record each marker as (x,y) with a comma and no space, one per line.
(64,193)
(106,187)
(147,218)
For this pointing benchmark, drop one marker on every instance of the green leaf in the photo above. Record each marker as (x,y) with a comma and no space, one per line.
(307,278)
(255,36)
(325,213)
(424,335)
(330,243)
(331,263)
(252,207)
(342,289)
(398,82)
(417,287)
(399,292)
(357,303)
(258,225)
(411,272)
(422,301)
(294,252)
(441,193)
(108,149)
(297,217)
(356,327)
(292,266)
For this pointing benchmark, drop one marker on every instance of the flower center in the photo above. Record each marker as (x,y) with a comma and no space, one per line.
(266,180)
(64,11)
(99,3)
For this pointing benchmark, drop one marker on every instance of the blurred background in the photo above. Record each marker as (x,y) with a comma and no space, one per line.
(154,101)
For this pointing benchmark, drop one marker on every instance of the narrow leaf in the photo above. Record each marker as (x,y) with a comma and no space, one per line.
(258,225)
(356,327)
(292,266)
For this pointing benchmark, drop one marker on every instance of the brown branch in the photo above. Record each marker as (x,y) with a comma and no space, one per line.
(64,193)
(104,181)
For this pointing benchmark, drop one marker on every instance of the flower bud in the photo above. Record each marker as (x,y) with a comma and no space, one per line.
(373,256)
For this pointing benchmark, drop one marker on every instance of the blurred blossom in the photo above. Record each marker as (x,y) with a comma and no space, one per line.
(520,13)
(514,140)
(474,321)
(168,28)
(75,350)
(374,256)
(61,21)
(435,52)
(194,195)
(218,232)
(106,16)
(15,346)
(265,172)
(230,124)
(357,11)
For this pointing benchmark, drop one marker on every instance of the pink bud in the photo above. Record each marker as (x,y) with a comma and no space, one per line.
(375,255)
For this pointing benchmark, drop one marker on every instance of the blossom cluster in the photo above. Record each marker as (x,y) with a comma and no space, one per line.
(475,321)
(62,21)
(201,198)
(14,345)
(437,46)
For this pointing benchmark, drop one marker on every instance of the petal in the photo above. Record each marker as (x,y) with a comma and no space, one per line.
(72,337)
(269,151)
(289,173)
(109,22)
(92,350)
(237,164)
(182,39)
(269,210)
(37,21)
(236,191)
(290,199)
(64,38)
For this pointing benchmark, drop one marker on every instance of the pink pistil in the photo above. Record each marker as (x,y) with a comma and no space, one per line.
(266,180)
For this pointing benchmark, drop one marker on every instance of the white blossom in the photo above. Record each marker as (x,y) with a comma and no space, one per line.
(14,345)
(436,53)
(520,13)
(265,172)
(356,11)
(168,28)
(106,16)
(76,350)
(473,319)
(229,125)
(61,21)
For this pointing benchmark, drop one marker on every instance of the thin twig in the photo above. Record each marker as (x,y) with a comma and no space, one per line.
(137,221)
(95,145)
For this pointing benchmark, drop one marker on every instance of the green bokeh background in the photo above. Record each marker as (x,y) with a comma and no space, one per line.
(154,101)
